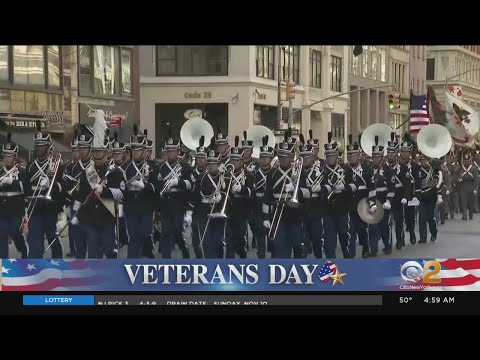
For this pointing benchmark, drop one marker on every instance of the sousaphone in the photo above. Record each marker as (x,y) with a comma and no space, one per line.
(367,140)
(193,129)
(434,141)
(256,134)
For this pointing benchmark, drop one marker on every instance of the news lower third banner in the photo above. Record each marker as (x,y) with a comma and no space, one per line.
(246,275)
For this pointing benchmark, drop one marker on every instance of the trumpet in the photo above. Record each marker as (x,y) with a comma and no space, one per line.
(12,172)
(296,173)
(174,174)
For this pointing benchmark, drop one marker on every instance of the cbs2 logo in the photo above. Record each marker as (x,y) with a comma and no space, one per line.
(413,272)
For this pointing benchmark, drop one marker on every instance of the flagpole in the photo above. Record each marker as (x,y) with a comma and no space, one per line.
(456,75)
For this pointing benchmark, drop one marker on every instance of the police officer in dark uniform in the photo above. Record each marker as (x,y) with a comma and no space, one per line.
(70,185)
(251,165)
(363,179)
(208,198)
(313,209)
(398,179)
(280,188)
(174,186)
(338,203)
(119,160)
(432,179)
(413,186)
(240,204)
(261,175)
(384,188)
(192,216)
(139,200)
(44,213)
(101,185)
(12,200)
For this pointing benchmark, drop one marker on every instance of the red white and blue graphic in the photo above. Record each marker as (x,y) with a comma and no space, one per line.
(327,269)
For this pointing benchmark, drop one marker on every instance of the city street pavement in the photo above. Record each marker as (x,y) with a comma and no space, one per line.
(456,239)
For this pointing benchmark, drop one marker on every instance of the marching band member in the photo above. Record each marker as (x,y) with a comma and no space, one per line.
(221,144)
(12,200)
(251,166)
(363,179)
(468,183)
(70,185)
(139,200)
(208,198)
(413,186)
(174,185)
(149,243)
(261,175)
(476,163)
(101,184)
(385,190)
(452,193)
(84,145)
(240,204)
(119,160)
(192,216)
(316,148)
(399,179)
(40,178)
(338,204)
(443,207)
(281,189)
(432,179)
(312,223)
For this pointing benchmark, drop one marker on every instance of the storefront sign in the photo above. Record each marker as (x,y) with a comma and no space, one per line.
(24,123)
(116,122)
(193,113)
(113,119)
(53,118)
(198,95)
(261,96)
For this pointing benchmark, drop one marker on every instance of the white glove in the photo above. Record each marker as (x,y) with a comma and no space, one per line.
(289,188)
(447,192)
(340,187)
(76,205)
(266,224)
(474,192)
(74,221)
(415,200)
(44,182)
(139,184)
(317,188)
(439,199)
(404,201)
(237,188)
(174,182)
(187,220)
(387,205)
(460,180)
(373,209)
(7,180)
(68,211)
(98,189)
(218,198)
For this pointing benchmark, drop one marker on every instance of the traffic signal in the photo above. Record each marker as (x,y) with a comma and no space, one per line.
(290,89)
(391,101)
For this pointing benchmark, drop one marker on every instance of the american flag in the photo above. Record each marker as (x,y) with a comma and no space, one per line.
(419,114)
(328,268)
(458,275)
(48,275)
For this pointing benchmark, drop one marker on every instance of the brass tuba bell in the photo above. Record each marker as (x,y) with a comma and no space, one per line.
(367,140)
(434,141)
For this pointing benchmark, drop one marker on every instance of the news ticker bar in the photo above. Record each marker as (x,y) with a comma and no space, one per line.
(198,300)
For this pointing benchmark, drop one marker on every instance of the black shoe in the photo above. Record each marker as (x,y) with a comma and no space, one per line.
(452,216)
(456,211)
(442,222)
(413,239)
(71,254)
(422,241)
(387,251)
(470,217)
(254,244)
(464,218)
(372,255)
(398,246)
(148,254)
(433,238)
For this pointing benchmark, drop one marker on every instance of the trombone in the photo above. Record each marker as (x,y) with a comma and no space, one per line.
(175,173)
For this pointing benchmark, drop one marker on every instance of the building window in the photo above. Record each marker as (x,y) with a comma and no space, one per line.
(291,69)
(382,62)
(29,65)
(4,63)
(192,60)
(105,70)
(265,61)
(54,63)
(430,69)
(338,126)
(336,72)
(316,69)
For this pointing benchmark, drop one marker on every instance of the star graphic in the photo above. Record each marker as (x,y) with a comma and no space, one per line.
(12,260)
(56,263)
(337,277)
(30,267)
(5,270)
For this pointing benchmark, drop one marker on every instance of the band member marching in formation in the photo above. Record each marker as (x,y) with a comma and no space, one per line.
(384,189)
(101,185)
(45,192)
(221,145)
(240,204)
(313,209)
(316,149)
(338,203)
(192,215)
(398,179)
(283,197)
(453,193)
(70,185)
(362,177)
(208,204)
(251,166)
(260,183)
(413,186)
(12,200)
(468,181)
(174,185)
(443,208)
(432,179)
